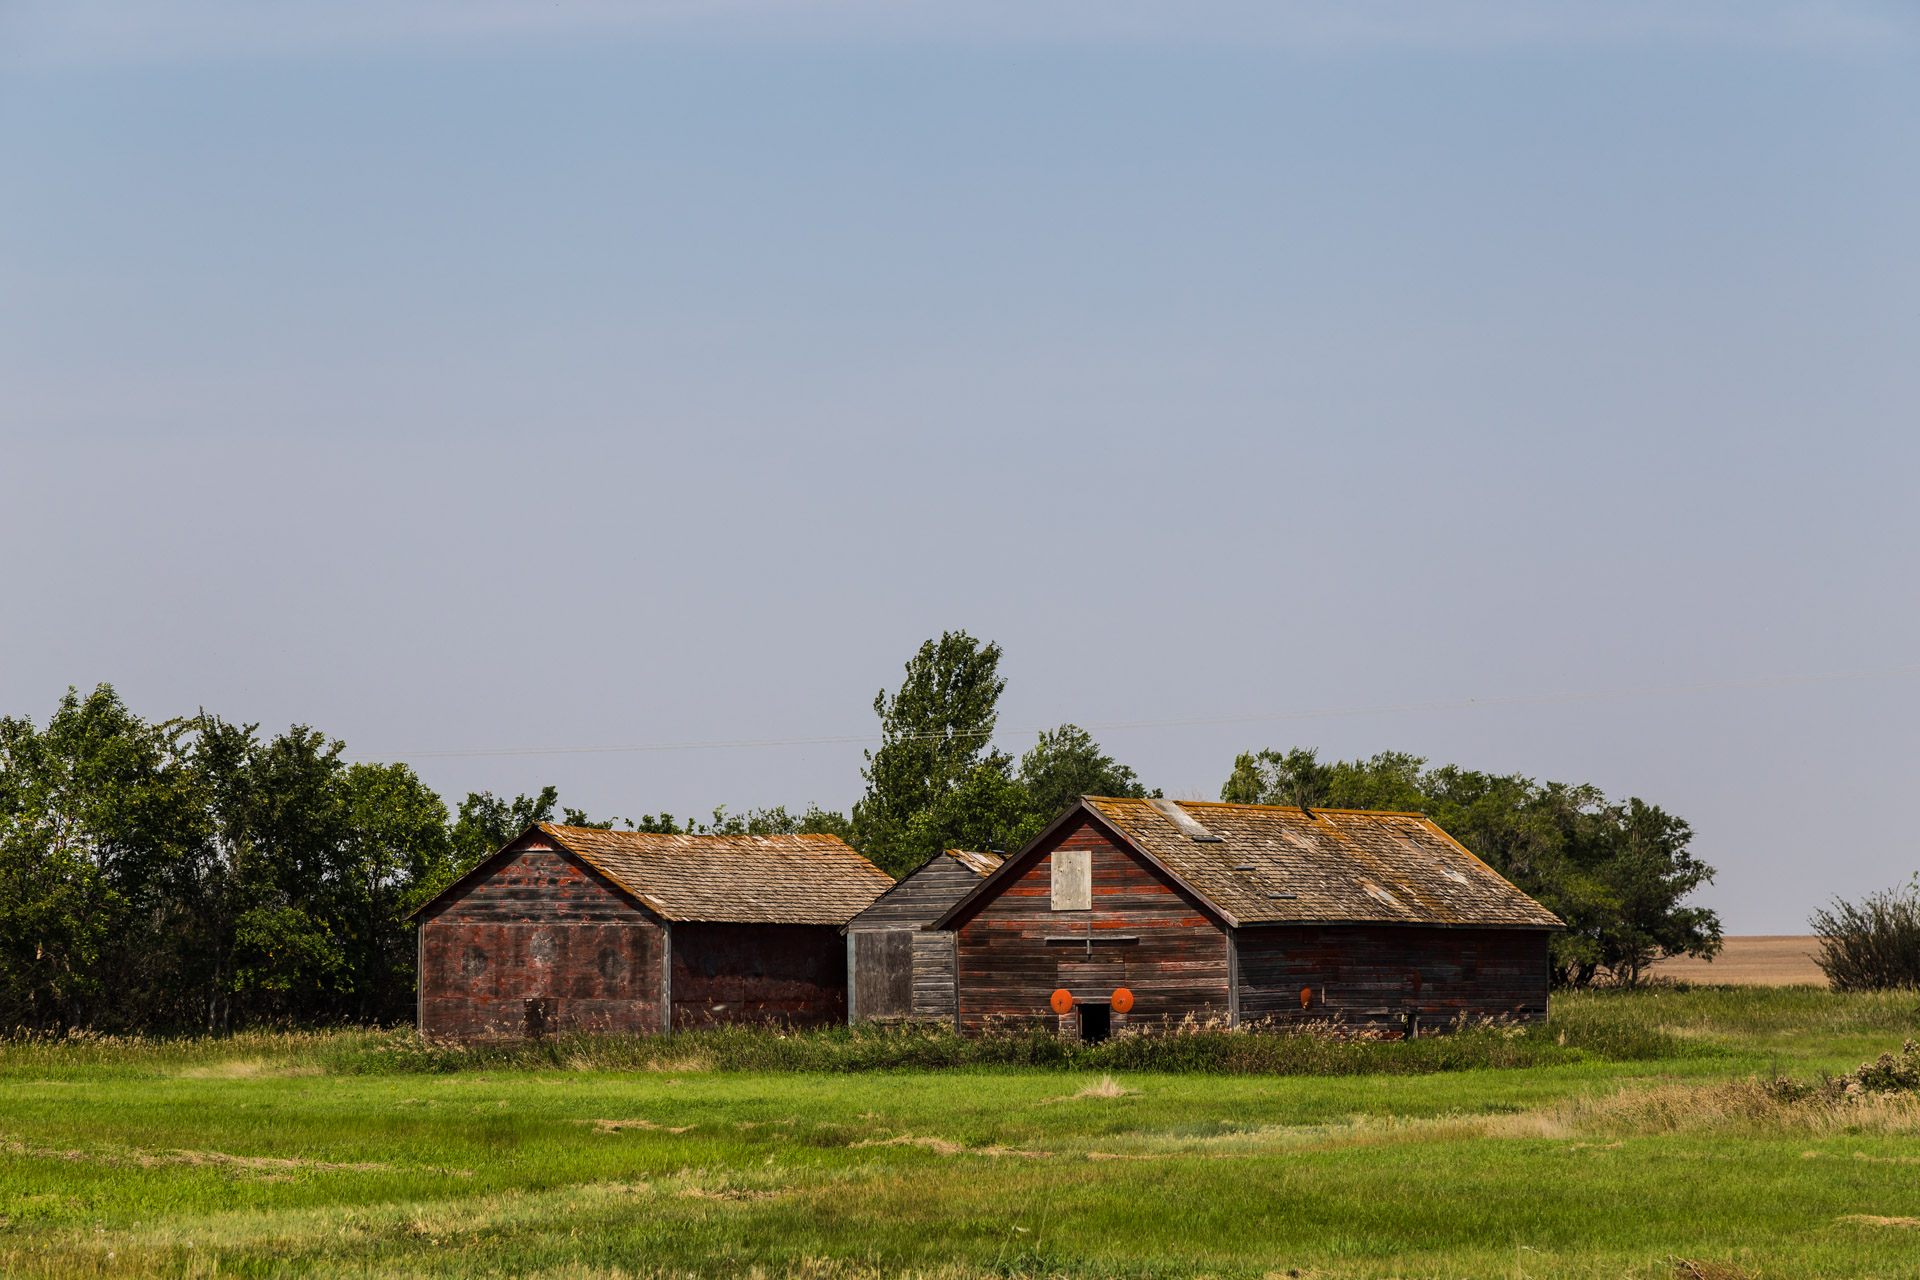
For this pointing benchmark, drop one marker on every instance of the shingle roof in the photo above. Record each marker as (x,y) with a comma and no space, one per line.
(812,879)
(980,864)
(1271,864)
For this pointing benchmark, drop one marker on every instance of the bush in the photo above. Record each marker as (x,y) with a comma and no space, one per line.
(1874,945)
(1888,1074)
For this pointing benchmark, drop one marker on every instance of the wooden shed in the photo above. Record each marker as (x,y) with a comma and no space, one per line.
(1238,913)
(625,931)
(896,969)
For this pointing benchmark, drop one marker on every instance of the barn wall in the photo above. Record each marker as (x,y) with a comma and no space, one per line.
(791,974)
(1377,974)
(1007,969)
(541,944)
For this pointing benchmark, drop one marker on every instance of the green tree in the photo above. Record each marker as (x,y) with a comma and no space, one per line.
(486,822)
(398,846)
(1065,764)
(319,863)
(934,732)
(774,822)
(989,809)
(1648,874)
(101,826)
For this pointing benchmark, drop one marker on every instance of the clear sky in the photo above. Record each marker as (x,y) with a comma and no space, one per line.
(459,377)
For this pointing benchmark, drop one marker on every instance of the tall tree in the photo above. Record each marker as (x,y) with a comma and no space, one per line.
(1065,764)
(935,730)
(100,826)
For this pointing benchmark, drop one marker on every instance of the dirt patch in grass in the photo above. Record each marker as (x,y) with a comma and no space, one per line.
(1695,1269)
(247,1069)
(1105,1087)
(1875,1220)
(729,1193)
(266,1168)
(942,1147)
(615,1126)
(180,1156)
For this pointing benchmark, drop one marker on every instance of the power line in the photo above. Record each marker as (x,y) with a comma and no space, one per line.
(1329,713)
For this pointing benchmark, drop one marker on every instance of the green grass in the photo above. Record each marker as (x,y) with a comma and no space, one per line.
(1627,1146)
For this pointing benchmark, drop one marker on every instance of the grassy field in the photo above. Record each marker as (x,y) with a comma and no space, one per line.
(331,1154)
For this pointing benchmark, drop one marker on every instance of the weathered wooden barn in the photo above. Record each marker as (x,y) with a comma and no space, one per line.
(895,967)
(624,931)
(1239,913)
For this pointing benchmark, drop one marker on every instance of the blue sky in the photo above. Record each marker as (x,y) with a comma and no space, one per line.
(461,377)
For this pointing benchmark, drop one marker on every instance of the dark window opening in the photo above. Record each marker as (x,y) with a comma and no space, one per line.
(1096,1022)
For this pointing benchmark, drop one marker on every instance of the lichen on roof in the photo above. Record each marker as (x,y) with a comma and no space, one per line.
(1274,864)
(739,879)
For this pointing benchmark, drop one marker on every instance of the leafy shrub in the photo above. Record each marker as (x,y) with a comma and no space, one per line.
(1887,1074)
(1872,945)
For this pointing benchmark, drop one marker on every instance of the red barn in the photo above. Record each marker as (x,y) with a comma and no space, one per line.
(1239,913)
(624,931)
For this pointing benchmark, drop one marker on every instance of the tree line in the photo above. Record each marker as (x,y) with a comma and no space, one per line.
(194,874)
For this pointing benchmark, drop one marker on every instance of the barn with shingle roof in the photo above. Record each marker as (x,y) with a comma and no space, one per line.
(578,928)
(1149,911)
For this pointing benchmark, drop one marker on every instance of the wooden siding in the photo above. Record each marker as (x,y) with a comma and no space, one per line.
(933,995)
(1174,959)
(920,898)
(791,974)
(540,944)
(1375,975)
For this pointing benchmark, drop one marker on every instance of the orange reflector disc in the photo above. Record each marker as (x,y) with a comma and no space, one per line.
(1062,1001)
(1122,1000)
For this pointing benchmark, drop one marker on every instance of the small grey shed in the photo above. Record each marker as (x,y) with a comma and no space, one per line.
(894,970)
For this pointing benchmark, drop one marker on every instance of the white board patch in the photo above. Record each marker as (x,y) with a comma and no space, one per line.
(1072,880)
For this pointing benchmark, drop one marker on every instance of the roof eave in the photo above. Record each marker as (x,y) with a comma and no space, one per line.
(1529,926)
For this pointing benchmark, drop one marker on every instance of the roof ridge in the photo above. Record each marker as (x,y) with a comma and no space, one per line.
(1276,808)
(552,827)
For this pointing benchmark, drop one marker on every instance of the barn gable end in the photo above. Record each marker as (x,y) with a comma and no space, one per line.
(1143,932)
(535,942)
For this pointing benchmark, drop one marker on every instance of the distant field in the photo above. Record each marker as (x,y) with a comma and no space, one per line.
(269,1155)
(1763,960)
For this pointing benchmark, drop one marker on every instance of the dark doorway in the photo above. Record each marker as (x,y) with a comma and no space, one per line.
(1096,1022)
(540,1016)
